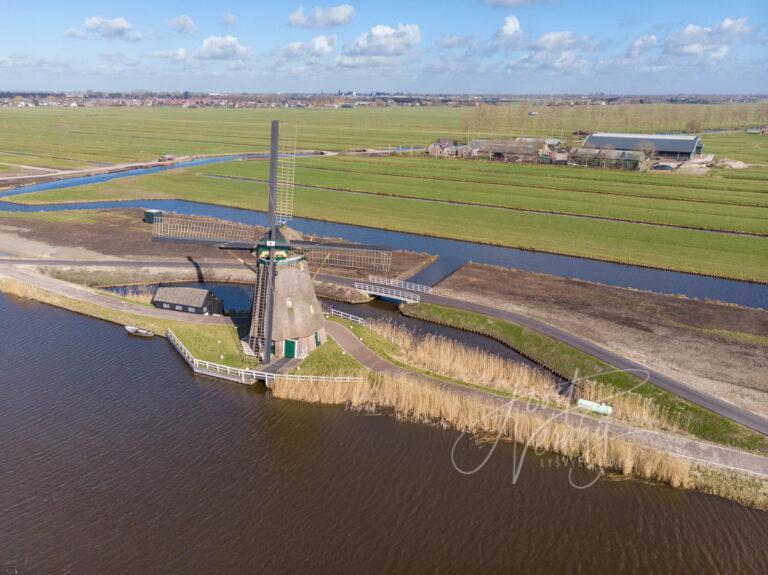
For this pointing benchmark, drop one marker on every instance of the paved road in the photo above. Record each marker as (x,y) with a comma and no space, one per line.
(706,400)
(686,447)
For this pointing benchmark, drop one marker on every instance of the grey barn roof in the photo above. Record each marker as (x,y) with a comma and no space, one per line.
(672,143)
(186,296)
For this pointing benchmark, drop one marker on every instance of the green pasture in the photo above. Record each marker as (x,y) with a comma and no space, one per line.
(704,252)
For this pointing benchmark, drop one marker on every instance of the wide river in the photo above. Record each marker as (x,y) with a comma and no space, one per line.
(115,459)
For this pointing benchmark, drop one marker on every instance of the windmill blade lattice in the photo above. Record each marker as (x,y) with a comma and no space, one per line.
(373,258)
(211,231)
(286,175)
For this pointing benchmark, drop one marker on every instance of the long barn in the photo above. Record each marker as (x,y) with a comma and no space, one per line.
(673,146)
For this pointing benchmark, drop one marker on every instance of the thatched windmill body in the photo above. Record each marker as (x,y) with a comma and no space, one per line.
(286,318)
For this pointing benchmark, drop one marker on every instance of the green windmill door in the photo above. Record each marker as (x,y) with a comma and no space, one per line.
(290,348)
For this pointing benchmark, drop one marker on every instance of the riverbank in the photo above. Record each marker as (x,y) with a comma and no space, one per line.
(209,338)
(569,362)
(415,395)
(717,348)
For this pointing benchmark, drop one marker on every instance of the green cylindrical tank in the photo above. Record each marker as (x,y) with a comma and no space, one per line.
(151,215)
(594,407)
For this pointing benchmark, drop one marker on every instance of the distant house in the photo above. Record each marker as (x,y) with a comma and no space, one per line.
(764,130)
(616,159)
(187,299)
(669,146)
(439,148)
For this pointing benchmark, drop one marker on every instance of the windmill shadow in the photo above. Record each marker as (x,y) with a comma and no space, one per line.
(198,269)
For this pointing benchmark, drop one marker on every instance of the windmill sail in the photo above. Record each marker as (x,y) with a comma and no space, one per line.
(196,230)
(285,177)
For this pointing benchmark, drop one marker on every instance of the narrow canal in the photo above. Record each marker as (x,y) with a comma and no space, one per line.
(452,253)
(116,459)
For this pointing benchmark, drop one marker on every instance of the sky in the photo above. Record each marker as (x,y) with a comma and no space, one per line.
(453,46)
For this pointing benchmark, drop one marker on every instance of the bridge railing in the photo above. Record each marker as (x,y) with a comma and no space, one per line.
(400,284)
(402,295)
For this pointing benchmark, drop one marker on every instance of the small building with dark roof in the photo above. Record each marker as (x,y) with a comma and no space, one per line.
(187,299)
(673,146)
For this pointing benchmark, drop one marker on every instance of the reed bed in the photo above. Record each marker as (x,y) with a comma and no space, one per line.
(472,365)
(451,359)
(138,294)
(630,407)
(416,399)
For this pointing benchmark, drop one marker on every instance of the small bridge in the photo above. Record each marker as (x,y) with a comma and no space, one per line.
(388,292)
(408,286)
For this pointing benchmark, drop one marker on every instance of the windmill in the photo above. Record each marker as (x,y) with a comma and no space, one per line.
(286,318)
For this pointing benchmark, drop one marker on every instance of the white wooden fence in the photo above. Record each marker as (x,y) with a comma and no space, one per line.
(345,315)
(247,376)
(399,284)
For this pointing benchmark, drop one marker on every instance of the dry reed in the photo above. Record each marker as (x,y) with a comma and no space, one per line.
(417,399)
(138,294)
(472,365)
(449,358)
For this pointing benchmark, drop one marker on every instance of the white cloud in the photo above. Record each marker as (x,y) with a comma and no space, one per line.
(33,63)
(322,17)
(386,41)
(178,55)
(229,19)
(222,48)
(555,41)
(323,45)
(370,61)
(181,24)
(75,34)
(453,41)
(642,44)
(555,50)
(511,27)
(707,43)
(112,28)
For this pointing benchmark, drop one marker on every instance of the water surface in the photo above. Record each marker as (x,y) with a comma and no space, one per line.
(115,458)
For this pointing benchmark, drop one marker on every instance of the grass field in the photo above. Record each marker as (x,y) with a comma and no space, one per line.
(727,255)
(574,211)
(73,137)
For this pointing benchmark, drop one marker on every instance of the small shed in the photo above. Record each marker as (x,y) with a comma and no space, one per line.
(188,300)
(151,216)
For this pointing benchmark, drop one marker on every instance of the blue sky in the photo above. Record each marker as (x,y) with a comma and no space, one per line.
(488,46)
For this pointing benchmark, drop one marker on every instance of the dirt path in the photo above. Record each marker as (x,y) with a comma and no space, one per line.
(686,447)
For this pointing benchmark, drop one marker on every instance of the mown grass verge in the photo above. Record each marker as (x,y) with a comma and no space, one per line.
(328,360)
(567,361)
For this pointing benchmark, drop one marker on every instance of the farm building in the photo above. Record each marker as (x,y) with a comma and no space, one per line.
(671,146)
(616,159)
(187,299)
(517,149)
